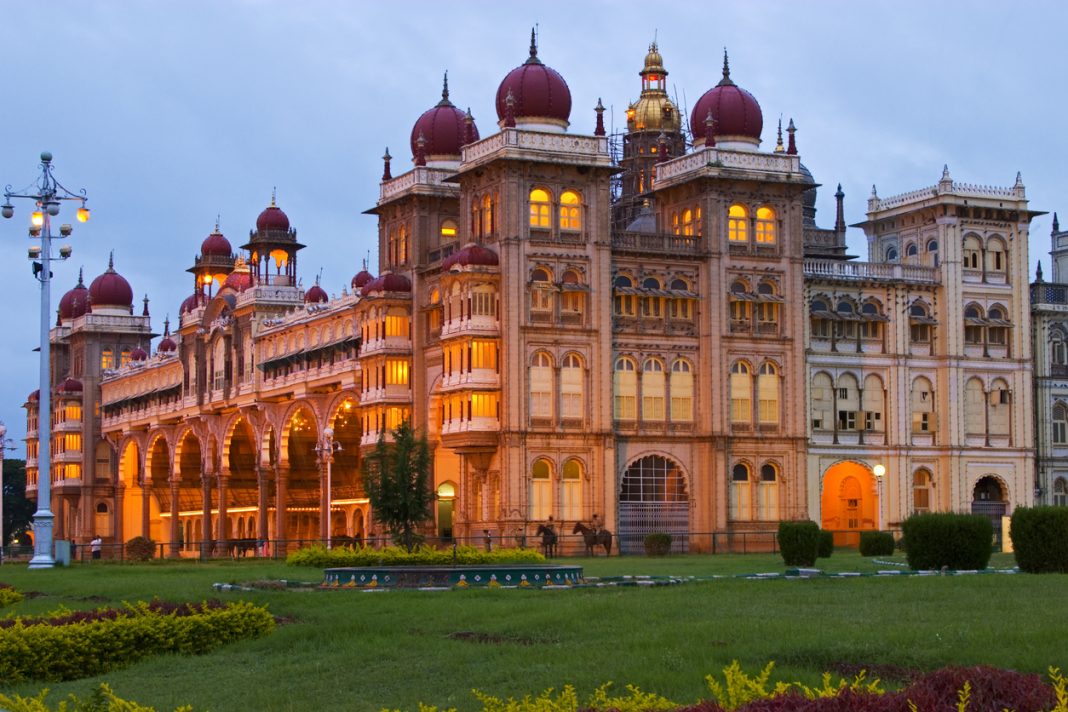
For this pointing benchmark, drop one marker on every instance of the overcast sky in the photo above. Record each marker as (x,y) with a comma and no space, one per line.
(170,113)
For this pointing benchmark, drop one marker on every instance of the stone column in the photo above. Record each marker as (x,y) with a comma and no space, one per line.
(324,500)
(224,523)
(262,483)
(119,512)
(175,523)
(281,479)
(205,528)
(146,507)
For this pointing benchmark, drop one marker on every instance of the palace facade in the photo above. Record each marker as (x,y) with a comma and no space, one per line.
(651,328)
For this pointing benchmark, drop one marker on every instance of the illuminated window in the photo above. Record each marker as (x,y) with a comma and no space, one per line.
(571,494)
(653,390)
(681,391)
(107,359)
(484,405)
(570,211)
(539,208)
(687,222)
(541,386)
(541,491)
(765,226)
(676,227)
(73,412)
(396,372)
(741,393)
(397,325)
(572,395)
(484,354)
(741,496)
(737,224)
(124,358)
(625,388)
(921,491)
(489,218)
(768,394)
(448,231)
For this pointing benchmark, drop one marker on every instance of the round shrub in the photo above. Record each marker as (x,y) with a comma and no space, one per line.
(1040,539)
(876,544)
(8,595)
(956,541)
(799,542)
(826,547)
(140,549)
(657,544)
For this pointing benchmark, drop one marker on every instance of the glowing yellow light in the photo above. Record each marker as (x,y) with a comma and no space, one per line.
(448,231)
(37,218)
(280,257)
(83,214)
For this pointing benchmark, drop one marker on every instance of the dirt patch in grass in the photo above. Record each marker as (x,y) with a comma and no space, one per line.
(471,636)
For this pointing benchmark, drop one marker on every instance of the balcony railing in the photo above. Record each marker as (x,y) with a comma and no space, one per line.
(835,269)
(658,243)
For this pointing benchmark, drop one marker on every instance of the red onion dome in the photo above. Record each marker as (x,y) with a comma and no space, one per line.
(75,302)
(444,128)
(241,278)
(539,92)
(273,219)
(362,277)
(735,111)
(71,385)
(216,245)
(139,354)
(389,282)
(472,255)
(111,289)
(35,396)
(167,345)
(194,301)
(316,295)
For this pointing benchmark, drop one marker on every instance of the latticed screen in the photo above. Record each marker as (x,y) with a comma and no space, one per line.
(653,498)
(653,479)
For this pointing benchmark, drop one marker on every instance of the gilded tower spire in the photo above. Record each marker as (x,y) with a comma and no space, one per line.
(726,81)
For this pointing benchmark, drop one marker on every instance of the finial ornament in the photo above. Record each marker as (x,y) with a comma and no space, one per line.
(874,193)
(145,311)
(533,58)
(726,80)
(1038,272)
(386,158)
(82,284)
(167,325)
(1056,228)
(274,192)
(791,147)
(445,86)
(111,261)
(945,171)
(599,128)
(779,148)
(1019,179)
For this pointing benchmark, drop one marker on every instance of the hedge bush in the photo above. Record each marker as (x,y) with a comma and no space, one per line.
(1040,539)
(140,549)
(799,542)
(59,648)
(319,556)
(826,547)
(876,544)
(8,595)
(102,699)
(956,541)
(657,544)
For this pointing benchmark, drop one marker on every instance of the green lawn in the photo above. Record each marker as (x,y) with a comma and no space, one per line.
(346,649)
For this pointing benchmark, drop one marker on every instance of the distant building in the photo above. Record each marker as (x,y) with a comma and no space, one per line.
(650,328)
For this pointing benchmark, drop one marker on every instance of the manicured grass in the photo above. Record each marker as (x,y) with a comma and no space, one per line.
(367,651)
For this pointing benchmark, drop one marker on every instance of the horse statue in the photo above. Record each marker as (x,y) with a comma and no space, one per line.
(594,538)
(549,537)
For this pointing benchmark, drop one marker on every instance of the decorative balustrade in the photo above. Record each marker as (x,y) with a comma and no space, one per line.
(660,243)
(476,325)
(589,147)
(836,269)
(475,378)
(418,176)
(721,158)
(965,190)
(1047,293)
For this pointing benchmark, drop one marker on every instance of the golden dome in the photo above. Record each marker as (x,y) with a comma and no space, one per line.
(653,112)
(653,61)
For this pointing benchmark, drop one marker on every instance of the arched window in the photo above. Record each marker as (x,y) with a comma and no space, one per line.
(822,402)
(768,493)
(932,253)
(1060,492)
(570,211)
(973,324)
(571,494)
(846,327)
(1000,400)
(921,491)
(448,231)
(820,319)
(541,491)
(996,256)
(124,358)
(1060,424)
(891,254)
(653,390)
(572,297)
(872,326)
(741,500)
(974,407)
(741,312)
(572,391)
(767,309)
(687,222)
(541,386)
(973,253)
(625,389)
(872,403)
(741,393)
(541,295)
(681,391)
(911,250)
(920,322)
(652,303)
(765,226)
(476,218)
(922,406)
(998,326)
(737,224)
(107,359)
(680,307)
(488,216)
(539,209)
(848,401)
(676,225)
(1058,355)
(768,394)
(625,301)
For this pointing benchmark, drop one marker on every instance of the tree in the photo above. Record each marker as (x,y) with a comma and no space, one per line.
(397,479)
(18,511)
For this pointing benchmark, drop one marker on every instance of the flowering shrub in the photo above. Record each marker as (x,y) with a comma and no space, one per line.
(69,645)
(8,595)
(101,700)
(319,556)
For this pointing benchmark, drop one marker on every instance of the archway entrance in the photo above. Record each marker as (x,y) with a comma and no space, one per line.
(989,499)
(653,498)
(849,502)
(446,502)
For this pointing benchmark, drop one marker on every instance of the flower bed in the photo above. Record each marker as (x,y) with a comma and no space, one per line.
(344,556)
(8,595)
(71,645)
(101,699)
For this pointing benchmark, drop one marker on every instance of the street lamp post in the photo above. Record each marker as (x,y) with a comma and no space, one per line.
(326,450)
(47,194)
(880,471)
(3,444)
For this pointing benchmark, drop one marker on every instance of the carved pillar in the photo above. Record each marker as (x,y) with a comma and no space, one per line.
(224,522)
(205,527)
(324,499)
(281,496)
(262,483)
(146,506)
(119,512)
(175,523)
